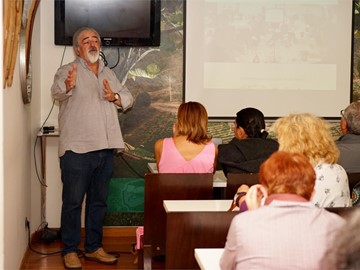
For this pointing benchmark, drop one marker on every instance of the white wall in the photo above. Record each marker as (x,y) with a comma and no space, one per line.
(17,168)
(19,193)
(17,145)
(2,232)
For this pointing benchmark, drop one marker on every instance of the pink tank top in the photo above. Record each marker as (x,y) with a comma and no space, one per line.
(173,162)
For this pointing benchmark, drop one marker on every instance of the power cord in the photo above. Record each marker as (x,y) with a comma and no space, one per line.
(38,232)
(102,55)
(48,236)
(41,129)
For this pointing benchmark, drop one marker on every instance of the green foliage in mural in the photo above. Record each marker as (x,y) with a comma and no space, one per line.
(356,52)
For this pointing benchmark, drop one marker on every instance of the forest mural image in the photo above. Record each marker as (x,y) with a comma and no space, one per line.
(154,75)
(356,53)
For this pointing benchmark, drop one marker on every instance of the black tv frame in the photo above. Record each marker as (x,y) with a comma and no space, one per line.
(153,40)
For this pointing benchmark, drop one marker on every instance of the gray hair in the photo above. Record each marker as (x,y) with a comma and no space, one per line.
(75,39)
(352,118)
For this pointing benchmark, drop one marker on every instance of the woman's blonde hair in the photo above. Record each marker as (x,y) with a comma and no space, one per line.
(307,134)
(192,121)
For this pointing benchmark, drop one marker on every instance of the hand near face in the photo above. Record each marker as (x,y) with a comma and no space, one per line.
(70,81)
(108,93)
(254,196)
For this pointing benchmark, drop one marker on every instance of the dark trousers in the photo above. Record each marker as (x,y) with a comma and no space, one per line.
(84,174)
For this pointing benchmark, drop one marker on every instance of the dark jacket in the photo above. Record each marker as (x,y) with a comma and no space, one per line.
(349,147)
(245,156)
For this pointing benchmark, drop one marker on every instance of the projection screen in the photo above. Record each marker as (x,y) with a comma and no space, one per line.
(280,56)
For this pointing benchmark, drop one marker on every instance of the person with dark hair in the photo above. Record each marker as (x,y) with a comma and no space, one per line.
(190,149)
(250,146)
(349,143)
(89,95)
(283,229)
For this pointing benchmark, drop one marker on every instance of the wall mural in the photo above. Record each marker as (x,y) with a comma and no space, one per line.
(356,53)
(154,76)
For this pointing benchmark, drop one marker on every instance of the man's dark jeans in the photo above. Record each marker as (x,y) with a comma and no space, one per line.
(81,174)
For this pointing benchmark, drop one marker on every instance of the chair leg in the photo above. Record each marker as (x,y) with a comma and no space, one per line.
(147,259)
(140,261)
(144,255)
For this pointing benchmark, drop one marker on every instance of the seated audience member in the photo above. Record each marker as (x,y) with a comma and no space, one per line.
(310,135)
(288,232)
(250,146)
(343,253)
(191,149)
(349,143)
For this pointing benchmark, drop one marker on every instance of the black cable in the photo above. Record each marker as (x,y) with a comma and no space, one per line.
(40,130)
(37,137)
(118,60)
(32,249)
(80,252)
(102,55)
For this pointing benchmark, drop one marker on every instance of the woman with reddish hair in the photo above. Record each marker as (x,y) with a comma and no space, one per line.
(288,231)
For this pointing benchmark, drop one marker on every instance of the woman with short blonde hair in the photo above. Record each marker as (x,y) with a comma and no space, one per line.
(310,135)
(307,134)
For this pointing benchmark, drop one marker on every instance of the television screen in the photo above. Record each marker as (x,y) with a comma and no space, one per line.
(119,22)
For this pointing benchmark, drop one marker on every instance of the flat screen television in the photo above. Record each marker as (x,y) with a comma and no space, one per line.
(119,22)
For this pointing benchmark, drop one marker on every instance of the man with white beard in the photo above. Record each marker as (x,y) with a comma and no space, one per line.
(89,96)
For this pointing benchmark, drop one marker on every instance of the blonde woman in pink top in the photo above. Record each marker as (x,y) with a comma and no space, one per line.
(191,149)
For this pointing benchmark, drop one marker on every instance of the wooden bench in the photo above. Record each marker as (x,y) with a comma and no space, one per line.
(167,186)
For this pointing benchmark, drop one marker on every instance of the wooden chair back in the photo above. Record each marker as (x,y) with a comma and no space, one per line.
(235,180)
(169,186)
(195,230)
